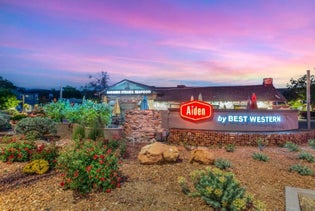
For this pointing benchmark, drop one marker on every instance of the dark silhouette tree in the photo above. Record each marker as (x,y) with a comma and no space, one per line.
(71,92)
(97,85)
(5,84)
(296,90)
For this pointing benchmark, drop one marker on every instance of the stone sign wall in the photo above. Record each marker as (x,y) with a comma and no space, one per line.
(239,120)
(142,126)
(220,138)
(145,126)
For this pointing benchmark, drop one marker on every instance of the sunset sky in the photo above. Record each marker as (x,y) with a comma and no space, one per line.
(53,43)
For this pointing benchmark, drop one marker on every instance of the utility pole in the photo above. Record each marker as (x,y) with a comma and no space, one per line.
(60,97)
(308,100)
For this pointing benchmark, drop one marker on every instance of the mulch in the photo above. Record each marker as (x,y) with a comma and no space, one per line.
(155,187)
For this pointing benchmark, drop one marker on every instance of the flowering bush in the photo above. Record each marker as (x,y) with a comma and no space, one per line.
(19,151)
(48,153)
(36,167)
(90,165)
(220,190)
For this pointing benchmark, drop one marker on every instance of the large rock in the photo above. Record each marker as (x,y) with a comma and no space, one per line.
(158,153)
(202,155)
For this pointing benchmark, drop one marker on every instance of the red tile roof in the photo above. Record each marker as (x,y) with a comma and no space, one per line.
(220,93)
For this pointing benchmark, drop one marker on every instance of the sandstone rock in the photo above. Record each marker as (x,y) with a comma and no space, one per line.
(158,153)
(202,155)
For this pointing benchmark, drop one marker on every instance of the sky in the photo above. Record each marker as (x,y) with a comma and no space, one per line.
(48,44)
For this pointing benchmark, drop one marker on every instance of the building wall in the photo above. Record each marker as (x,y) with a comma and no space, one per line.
(165,105)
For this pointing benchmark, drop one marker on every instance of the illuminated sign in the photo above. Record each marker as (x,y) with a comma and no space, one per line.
(196,110)
(128,92)
(259,119)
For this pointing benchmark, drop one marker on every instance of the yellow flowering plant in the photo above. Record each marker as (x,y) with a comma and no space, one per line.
(39,166)
(220,190)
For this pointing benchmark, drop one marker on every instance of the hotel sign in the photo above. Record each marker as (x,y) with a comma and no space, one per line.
(196,110)
(128,92)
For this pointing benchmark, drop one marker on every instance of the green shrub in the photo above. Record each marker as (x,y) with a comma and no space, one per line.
(36,167)
(56,110)
(311,143)
(302,170)
(92,114)
(260,156)
(222,163)
(117,144)
(36,127)
(261,143)
(95,132)
(219,189)
(291,146)
(4,121)
(18,116)
(19,151)
(90,165)
(78,132)
(230,148)
(12,111)
(307,156)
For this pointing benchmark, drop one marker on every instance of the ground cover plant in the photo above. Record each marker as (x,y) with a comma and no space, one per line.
(39,166)
(261,143)
(222,163)
(311,143)
(291,146)
(306,156)
(260,156)
(301,169)
(230,148)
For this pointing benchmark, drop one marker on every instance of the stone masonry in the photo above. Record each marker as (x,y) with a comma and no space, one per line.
(142,126)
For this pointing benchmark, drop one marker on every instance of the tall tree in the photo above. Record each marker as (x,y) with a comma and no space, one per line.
(7,97)
(296,92)
(71,92)
(5,84)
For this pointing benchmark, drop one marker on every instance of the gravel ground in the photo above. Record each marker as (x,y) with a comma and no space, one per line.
(155,187)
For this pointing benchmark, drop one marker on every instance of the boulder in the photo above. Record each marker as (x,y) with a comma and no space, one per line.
(158,153)
(202,155)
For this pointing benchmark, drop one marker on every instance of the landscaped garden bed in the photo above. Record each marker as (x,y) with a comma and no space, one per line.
(156,187)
